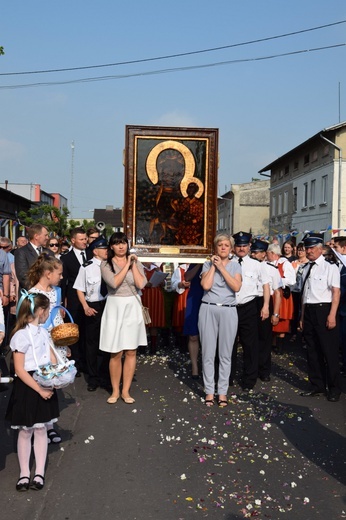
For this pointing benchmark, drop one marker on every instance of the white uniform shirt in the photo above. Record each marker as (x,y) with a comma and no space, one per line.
(21,342)
(275,280)
(323,276)
(253,276)
(89,280)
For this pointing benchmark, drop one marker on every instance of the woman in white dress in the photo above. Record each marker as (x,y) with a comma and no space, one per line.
(122,325)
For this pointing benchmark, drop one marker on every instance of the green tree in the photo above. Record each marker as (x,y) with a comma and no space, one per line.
(2,52)
(50,216)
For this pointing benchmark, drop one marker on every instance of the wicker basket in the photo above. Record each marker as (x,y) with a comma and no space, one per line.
(65,334)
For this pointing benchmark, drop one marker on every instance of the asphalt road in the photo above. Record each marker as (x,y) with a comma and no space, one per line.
(270,454)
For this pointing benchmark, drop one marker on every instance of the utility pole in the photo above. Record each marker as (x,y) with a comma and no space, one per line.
(72,167)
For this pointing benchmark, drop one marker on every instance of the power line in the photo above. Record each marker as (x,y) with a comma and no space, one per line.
(178,55)
(174,69)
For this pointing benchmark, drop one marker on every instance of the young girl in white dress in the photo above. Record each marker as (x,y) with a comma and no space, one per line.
(31,407)
(44,277)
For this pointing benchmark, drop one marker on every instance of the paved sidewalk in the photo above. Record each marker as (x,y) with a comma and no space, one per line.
(270,454)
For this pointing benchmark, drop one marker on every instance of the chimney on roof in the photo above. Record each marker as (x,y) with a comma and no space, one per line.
(109,208)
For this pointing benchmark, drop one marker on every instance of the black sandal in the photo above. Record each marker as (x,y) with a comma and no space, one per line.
(22,486)
(37,485)
(53,437)
(222,403)
(209,402)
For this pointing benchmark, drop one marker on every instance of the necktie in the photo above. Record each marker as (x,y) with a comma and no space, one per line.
(240,260)
(307,276)
(39,250)
(83,257)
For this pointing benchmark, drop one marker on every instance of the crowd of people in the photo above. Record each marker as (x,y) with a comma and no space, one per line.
(249,294)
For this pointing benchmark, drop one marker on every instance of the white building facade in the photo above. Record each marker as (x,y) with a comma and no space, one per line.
(308,186)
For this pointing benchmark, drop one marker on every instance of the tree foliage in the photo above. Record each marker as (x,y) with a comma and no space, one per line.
(50,216)
(2,52)
(56,221)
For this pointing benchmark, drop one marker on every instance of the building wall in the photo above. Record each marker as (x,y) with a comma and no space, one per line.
(28,191)
(251,207)
(308,177)
(245,208)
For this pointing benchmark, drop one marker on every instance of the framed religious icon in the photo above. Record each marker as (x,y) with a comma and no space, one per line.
(171,191)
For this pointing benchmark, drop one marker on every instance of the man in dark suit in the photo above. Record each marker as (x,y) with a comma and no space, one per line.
(71,264)
(25,256)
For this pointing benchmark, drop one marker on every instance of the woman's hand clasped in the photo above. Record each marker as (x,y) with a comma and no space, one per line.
(132,259)
(216,261)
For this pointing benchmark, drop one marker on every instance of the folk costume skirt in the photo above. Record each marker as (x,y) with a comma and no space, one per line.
(122,325)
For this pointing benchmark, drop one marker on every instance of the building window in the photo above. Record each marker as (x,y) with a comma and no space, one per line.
(306,159)
(280,204)
(324,189)
(313,193)
(295,201)
(325,151)
(314,156)
(287,170)
(273,206)
(281,173)
(285,208)
(305,195)
(296,165)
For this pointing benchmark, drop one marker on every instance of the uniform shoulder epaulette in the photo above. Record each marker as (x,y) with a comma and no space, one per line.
(272,265)
(88,262)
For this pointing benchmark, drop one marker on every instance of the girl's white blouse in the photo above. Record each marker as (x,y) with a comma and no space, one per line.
(21,342)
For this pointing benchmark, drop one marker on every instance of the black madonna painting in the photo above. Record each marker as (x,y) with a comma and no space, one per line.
(170,189)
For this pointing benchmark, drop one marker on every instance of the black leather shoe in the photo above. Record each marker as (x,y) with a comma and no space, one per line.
(23,484)
(91,388)
(78,374)
(333,398)
(36,484)
(312,393)
(265,379)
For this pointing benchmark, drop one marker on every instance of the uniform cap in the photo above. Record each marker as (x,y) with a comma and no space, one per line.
(242,238)
(259,245)
(312,239)
(98,243)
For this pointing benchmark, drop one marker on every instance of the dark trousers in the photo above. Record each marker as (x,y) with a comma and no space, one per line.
(97,374)
(322,348)
(342,319)
(265,334)
(248,336)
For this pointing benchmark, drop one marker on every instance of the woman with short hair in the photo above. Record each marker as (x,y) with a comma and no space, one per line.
(218,319)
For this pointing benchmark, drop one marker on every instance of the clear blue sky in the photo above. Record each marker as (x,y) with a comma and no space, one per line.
(262,108)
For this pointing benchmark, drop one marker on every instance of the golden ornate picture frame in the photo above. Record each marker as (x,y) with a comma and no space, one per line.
(171,191)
